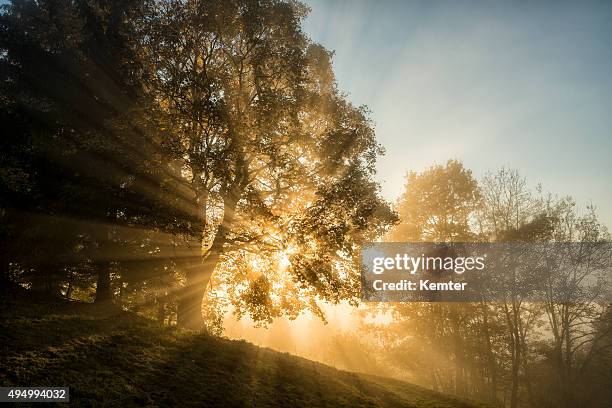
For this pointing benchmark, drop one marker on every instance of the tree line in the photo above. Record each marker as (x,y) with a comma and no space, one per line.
(513,351)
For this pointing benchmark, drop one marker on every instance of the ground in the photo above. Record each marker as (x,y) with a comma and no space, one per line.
(114,358)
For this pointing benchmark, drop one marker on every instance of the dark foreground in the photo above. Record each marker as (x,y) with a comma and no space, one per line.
(113,358)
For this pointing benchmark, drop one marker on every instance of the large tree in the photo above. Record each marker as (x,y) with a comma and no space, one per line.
(278,163)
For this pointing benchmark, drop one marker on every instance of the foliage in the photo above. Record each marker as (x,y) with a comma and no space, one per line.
(512,342)
(158,145)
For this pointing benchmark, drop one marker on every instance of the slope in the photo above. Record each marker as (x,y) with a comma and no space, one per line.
(110,357)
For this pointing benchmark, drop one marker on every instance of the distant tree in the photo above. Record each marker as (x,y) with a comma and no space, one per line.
(594,383)
(508,204)
(438,205)
(576,290)
(567,269)
(511,213)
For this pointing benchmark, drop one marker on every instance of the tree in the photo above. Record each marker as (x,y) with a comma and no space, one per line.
(577,267)
(277,162)
(215,127)
(510,213)
(77,155)
(439,205)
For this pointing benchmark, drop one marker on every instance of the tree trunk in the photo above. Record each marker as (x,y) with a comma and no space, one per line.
(198,274)
(190,305)
(4,265)
(514,352)
(190,301)
(460,383)
(103,288)
(515,377)
(161,310)
(53,282)
(491,364)
(526,369)
(568,386)
(38,281)
(69,288)
(434,380)
(103,264)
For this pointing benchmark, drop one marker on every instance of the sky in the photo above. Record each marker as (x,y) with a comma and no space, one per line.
(525,84)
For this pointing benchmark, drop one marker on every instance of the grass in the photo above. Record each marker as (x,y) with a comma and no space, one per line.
(113,358)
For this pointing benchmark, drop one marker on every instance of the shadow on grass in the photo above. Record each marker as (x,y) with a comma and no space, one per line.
(113,358)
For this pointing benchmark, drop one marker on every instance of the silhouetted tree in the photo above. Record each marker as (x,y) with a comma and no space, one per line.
(275,158)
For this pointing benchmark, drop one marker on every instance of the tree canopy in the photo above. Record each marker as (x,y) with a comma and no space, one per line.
(198,141)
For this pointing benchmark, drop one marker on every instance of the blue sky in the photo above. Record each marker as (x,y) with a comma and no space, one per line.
(527,84)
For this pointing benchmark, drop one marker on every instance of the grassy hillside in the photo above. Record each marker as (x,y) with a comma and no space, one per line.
(113,358)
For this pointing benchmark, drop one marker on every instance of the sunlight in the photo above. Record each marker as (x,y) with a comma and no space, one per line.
(200,172)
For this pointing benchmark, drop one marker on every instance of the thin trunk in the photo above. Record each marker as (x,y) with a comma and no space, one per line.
(53,283)
(434,380)
(514,353)
(69,288)
(526,369)
(568,387)
(491,365)
(103,265)
(460,386)
(39,281)
(4,266)
(515,378)
(103,288)
(161,311)
(121,293)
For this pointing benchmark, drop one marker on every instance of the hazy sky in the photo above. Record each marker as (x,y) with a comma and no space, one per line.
(527,84)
